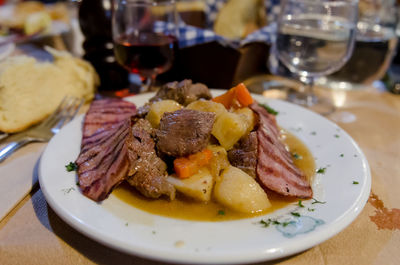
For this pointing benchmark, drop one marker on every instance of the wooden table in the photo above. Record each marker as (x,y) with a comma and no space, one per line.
(33,234)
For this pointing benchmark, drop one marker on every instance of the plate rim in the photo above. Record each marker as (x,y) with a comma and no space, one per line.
(311,239)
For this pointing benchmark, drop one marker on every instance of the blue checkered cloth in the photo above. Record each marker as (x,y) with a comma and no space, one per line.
(190,35)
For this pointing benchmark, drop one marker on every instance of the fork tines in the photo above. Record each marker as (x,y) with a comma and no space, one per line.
(65,112)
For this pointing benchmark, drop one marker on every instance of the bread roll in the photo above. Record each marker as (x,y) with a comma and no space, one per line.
(238,18)
(31,90)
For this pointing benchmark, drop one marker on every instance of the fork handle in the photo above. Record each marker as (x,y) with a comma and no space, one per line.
(11,147)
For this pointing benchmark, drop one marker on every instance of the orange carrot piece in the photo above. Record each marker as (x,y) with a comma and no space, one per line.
(225,99)
(187,166)
(243,95)
(238,94)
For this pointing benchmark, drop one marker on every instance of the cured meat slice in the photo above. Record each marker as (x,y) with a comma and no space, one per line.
(103,161)
(105,114)
(275,169)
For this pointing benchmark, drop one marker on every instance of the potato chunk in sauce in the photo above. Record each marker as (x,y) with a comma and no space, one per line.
(184,208)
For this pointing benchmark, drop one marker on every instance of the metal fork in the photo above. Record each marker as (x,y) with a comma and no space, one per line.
(43,132)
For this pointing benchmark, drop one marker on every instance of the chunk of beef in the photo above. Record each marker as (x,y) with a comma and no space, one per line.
(275,169)
(184,92)
(184,132)
(244,154)
(147,171)
(103,161)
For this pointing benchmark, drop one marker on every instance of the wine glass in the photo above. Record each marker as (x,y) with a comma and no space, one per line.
(315,38)
(145,35)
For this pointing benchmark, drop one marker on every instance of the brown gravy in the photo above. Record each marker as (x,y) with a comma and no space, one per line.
(183,208)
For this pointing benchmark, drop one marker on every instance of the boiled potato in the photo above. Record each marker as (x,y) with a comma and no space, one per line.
(228,129)
(219,160)
(207,106)
(199,186)
(237,190)
(157,110)
(248,117)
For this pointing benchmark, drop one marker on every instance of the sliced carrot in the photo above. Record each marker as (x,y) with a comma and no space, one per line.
(225,99)
(187,166)
(243,95)
(236,97)
(202,158)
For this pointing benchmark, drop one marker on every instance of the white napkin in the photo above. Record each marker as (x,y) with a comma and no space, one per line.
(18,174)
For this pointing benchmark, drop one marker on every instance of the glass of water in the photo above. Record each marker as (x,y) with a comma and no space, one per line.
(315,38)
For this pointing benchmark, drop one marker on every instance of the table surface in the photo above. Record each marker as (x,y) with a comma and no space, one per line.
(33,234)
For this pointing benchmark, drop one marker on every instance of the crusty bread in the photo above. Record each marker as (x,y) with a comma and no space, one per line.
(238,18)
(30,90)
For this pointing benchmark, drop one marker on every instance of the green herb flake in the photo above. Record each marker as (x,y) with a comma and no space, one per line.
(275,222)
(71,166)
(77,184)
(337,135)
(310,209)
(300,204)
(221,212)
(313,133)
(356,182)
(295,214)
(265,223)
(315,201)
(321,170)
(285,224)
(341,155)
(297,156)
(66,191)
(153,232)
(269,109)
(126,224)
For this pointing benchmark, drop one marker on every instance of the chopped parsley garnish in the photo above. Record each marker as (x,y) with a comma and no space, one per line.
(337,135)
(221,212)
(66,191)
(126,224)
(77,184)
(313,133)
(269,221)
(71,166)
(317,201)
(311,209)
(355,182)
(265,223)
(341,155)
(297,156)
(295,214)
(300,203)
(321,170)
(269,109)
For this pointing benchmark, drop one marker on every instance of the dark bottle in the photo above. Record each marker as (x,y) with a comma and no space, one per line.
(95,23)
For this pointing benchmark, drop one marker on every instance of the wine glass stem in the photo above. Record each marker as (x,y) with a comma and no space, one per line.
(309,91)
(149,84)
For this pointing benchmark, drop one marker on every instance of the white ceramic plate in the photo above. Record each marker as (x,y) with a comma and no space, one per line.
(123,227)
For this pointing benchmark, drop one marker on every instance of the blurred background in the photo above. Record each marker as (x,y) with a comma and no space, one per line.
(238,51)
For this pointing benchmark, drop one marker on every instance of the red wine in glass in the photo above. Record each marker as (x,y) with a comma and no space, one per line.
(147,54)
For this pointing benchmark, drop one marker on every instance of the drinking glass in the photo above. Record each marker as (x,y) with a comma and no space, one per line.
(145,36)
(375,46)
(315,38)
